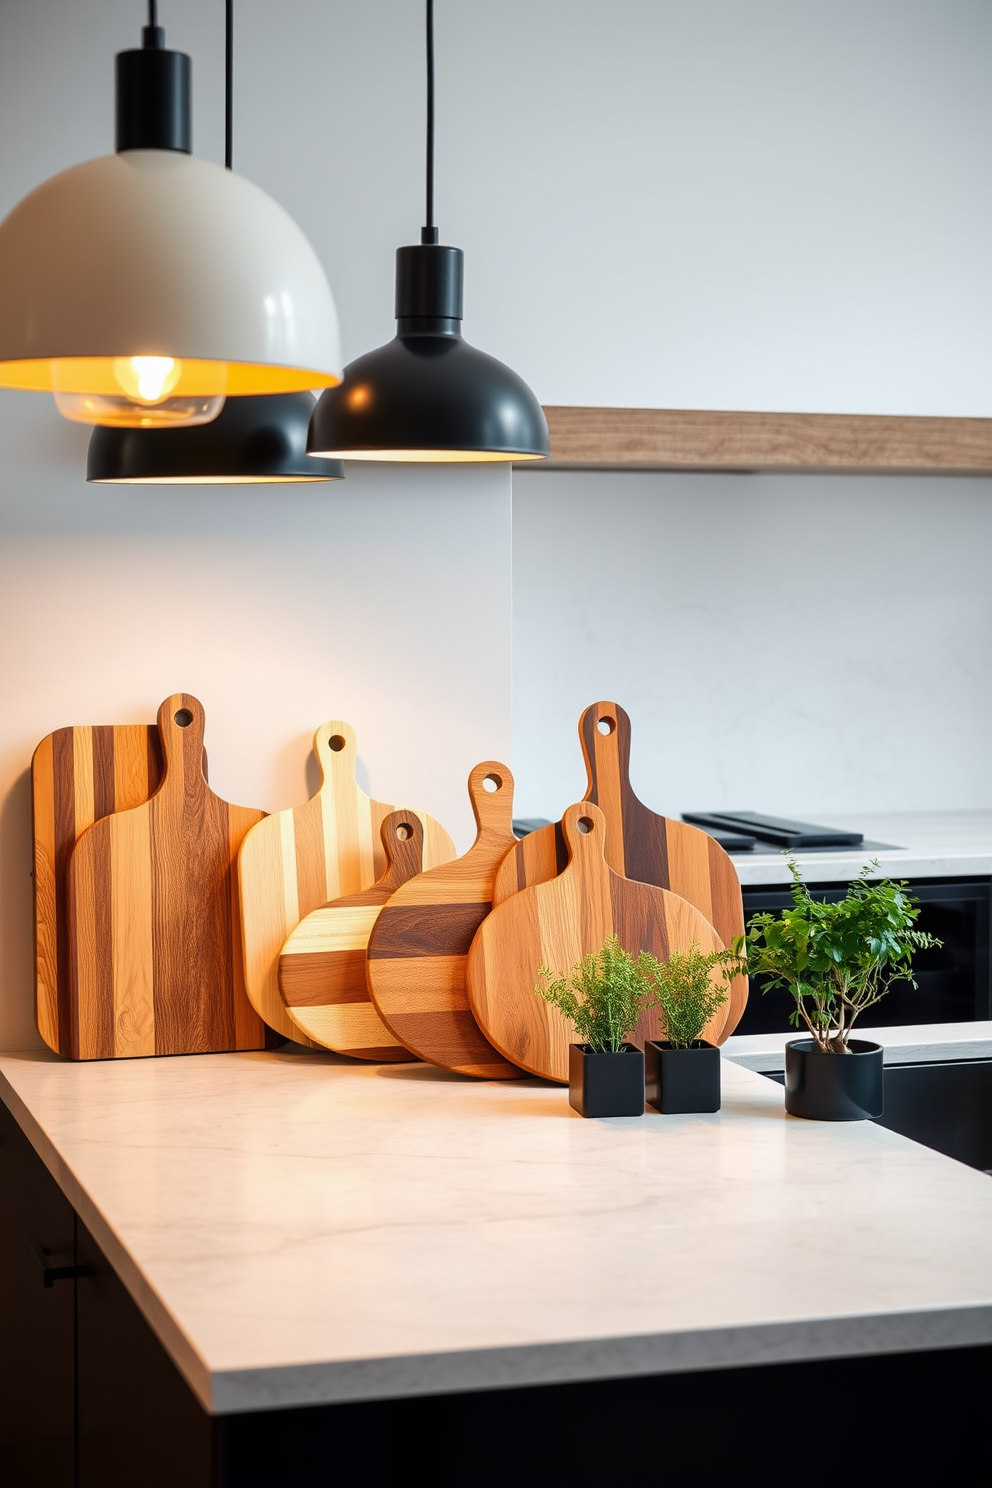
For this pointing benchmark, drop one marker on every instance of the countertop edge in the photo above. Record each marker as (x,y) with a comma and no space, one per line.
(575,1361)
(181,1351)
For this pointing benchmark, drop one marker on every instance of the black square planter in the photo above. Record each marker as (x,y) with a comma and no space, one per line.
(681,1081)
(606,1084)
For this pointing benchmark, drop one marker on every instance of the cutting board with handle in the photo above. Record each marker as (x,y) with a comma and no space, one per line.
(640,844)
(555,924)
(153,941)
(298,859)
(78,776)
(419,943)
(322,965)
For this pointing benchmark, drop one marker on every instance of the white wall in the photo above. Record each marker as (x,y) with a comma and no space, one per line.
(792,644)
(779,204)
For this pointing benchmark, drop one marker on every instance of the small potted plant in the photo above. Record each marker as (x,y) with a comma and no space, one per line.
(682,1070)
(603,998)
(836,960)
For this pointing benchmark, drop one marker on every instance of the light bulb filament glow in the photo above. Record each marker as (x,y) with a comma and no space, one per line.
(148,378)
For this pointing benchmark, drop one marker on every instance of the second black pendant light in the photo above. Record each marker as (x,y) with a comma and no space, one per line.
(427,395)
(254,440)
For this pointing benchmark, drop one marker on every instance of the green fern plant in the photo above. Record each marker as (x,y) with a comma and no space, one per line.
(603,996)
(687,994)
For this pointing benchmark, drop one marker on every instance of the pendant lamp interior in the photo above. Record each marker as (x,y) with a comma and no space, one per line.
(254,441)
(428,395)
(144,287)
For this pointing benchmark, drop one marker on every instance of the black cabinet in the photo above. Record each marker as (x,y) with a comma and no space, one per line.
(954,982)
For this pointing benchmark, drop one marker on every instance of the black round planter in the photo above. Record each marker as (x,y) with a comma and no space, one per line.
(833,1087)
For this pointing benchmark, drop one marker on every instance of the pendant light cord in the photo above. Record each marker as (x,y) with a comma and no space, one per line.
(228,84)
(428,233)
(152,12)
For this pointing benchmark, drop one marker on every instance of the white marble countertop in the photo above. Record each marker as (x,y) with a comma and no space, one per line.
(920,1043)
(298,1229)
(927,844)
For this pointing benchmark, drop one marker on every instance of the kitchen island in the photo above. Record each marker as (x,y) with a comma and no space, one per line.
(298,1230)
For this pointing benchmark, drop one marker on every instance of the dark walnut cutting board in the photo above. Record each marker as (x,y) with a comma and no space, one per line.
(640,844)
(322,965)
(419,943)
(153,937)
(555,924)
(298,859)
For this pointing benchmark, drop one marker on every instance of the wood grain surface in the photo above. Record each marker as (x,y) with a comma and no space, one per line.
(153,940)
(555,924)
(298,859)
(699,439)
(639,844)
(419,943)
(322,965)
(78,776)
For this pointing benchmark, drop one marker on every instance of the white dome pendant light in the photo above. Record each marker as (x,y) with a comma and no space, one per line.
(427,395)
(143,288)
(253,441)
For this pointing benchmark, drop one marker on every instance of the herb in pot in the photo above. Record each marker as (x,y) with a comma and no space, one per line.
(686,991)
(604,996)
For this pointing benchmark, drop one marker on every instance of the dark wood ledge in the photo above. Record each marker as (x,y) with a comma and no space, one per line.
(674,439)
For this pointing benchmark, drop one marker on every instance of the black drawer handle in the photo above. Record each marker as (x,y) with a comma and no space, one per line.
(52,1270)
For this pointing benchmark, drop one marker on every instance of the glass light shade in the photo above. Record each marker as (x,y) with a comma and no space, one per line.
(117,266)
(254,441)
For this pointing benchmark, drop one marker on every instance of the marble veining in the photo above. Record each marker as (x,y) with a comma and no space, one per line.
(298,1228)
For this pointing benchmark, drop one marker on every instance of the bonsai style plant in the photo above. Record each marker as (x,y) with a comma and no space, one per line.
(603,998)
(836,961)
(682,1070)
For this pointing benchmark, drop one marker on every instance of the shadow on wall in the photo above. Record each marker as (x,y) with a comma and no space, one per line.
(17,916)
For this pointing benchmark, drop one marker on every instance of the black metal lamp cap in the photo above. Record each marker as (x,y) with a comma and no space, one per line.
(153,96)
(429,281)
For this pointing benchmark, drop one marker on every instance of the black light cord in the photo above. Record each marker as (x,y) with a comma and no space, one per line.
(428,233)
(152,12)
(228,83)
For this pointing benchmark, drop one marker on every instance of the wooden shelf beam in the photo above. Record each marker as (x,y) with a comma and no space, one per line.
(825,443)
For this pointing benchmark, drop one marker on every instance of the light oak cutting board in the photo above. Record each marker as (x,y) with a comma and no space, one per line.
(297,860)
(322,965)
(153,946)
(78,776)
(555,924)
(640,844)
(419,942)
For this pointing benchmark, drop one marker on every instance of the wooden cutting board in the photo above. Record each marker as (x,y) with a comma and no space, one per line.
(555,924)
(322,965)
(640,844)
(419,943)
(297,860)
(153,947)
(78,776)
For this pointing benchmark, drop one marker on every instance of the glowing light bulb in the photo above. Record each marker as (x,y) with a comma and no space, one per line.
(139,392)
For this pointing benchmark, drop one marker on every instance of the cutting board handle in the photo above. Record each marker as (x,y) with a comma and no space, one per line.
(181,723)
(402,835)
(336,749)
(584,829)
(490,786)
(604,733)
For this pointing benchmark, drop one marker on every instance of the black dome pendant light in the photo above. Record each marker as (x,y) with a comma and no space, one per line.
(255,439)
(427,395)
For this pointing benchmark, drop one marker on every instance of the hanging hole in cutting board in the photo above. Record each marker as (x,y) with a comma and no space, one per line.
(585,825)
(492,783)
(336,742)
(404,831)
(183,718)
(606,725)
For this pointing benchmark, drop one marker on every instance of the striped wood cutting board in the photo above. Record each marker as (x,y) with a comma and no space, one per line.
(297,860)
(555,924)
(322,966)
(78,776)
(419,943)
(153,947)
(639,844)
